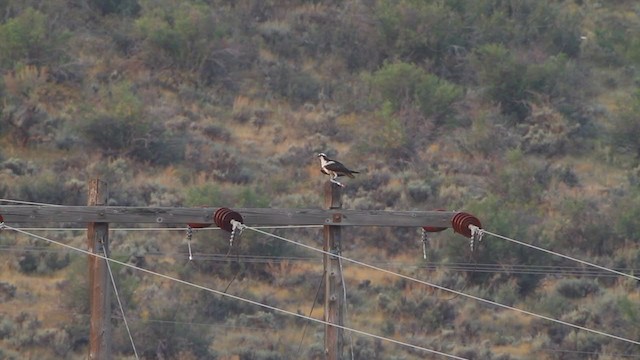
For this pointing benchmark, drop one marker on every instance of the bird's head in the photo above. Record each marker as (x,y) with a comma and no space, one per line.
(322,155)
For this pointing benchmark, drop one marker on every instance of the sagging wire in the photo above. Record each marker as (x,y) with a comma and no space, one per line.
(315,300)
(490,302)
(236,231)
(115,291)
(235,297)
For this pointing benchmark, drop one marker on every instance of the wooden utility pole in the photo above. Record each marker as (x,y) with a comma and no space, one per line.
(334,291)
(99,290)
(332,218)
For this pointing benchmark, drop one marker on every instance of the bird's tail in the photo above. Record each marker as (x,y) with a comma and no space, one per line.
(350,174)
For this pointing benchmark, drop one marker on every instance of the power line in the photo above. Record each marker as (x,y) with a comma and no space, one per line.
(174,322)
(344,301)
(290,227)
(613,355)
(273,308)
(444,288)
(542,270)
(561,255)
(115,291)
(27,202)
(484,300)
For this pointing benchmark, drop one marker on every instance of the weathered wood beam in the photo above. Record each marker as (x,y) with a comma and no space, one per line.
(252,216)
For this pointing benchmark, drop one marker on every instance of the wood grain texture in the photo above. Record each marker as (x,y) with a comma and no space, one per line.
(179,216)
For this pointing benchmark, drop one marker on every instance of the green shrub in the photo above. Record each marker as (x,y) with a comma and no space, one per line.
(412,102)
(577,288)
(610,44)
(354,38)
(420,190)
(519,23)
(45,188)
(470,352)
(279,38)
(420,30)
(584,225)
(388,328)
(7,327)
(251,354)
(113,134)
(298,86)
(171,334)
(503,78)
(401,84)
(28,38)
(367,349)
(123,129)
(187,35)
(520,181)
(216,195)
(625,130)
(120,7)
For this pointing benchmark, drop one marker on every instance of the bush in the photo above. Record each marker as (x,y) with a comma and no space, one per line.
(355,39)
(503,78)
(293,84)
(216,195)
(28,38)
(520,181)
(47,188)
(124,130)
(120,7)
(413,103)
(421,31)
(18,167)
(112,135)
(625,131)
(279,38)
(420,190)
(585,226)
(577,288)
(402,83)
(170,336)
(190,36)
(7,327)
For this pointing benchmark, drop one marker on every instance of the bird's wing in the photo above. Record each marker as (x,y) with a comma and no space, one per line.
(337,167)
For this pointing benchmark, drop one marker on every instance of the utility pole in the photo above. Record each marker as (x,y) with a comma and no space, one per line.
(99,290)
(334,290)
(332,218)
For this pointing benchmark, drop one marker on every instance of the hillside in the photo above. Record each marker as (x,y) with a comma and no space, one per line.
(521,112)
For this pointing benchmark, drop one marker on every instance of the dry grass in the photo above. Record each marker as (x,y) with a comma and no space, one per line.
(37,295)
(523,349)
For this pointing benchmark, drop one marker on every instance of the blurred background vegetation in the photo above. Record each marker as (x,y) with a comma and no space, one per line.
(522,112)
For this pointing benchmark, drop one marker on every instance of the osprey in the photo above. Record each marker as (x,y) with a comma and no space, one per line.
(334,169)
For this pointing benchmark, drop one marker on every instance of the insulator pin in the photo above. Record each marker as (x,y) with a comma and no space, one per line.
(461,221)
(223,216)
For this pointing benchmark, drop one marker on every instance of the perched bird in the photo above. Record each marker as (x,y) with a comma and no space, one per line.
(334,169)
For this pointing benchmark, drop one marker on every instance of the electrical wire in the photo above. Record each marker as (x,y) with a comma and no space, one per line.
(27,202)
(344,299)
(315,299)
(443,288)
(561,255)
(490,302)
(223,327)
(168,228)
(273,308)
(317,226)
(512,269)
(115,291)
(587,353)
